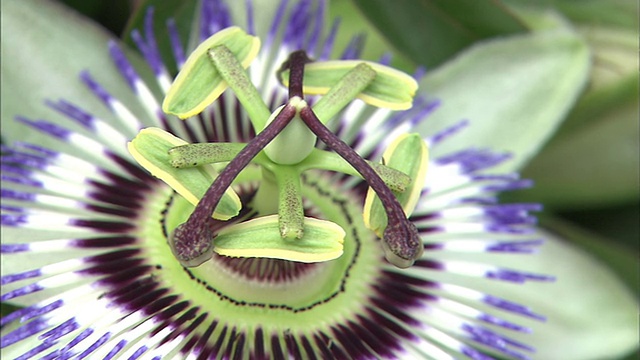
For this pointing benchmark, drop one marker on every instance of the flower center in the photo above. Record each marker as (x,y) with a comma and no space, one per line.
(275,282)
(288,141)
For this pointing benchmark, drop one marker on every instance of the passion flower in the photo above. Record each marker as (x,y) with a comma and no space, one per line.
(259,242)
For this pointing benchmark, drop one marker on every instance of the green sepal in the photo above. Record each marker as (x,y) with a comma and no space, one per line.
(322,240)
(199,83)
(409,154)
(193,155)
(150,148)
(390,88)
(326,160)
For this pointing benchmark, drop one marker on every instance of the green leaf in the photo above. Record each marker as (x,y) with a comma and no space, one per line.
(515,92)
(596,165)
(431,31)
(618,223)
(597,145)
(353,23)
(49,46)
(151,150)
(539,18)
(112,15)
(619,13)
(322,240)
(614,75)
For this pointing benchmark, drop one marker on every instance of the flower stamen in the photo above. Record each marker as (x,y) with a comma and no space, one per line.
(191,241)
(289,141)
(401,241)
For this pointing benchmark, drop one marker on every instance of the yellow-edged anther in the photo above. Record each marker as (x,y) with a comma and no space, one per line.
(322,240)
(150,148)
(410,155)
(199,83)
(391,88)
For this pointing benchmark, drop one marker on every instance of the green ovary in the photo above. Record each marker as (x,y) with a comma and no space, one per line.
(320,295)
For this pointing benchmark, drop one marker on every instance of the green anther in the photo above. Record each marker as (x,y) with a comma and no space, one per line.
(236,77)
(344,91)
(199,83)
(150,148)
(390,89)
(326,160)
(322,240)
(409,154)
(192,155)
(290,209)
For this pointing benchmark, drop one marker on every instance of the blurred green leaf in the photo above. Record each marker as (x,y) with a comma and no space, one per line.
(431,31)
(593,158)
(111,14)
(596,166)
(598,103)
(538,19)
(182,11)
(615,54)
(515,91)
(614,76)
(352,23)
(618,223)
(608,13)
(623,13)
